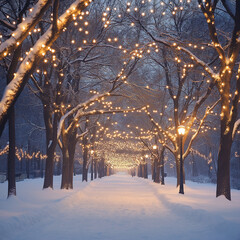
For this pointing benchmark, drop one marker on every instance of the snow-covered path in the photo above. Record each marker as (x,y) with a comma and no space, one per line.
(119,207)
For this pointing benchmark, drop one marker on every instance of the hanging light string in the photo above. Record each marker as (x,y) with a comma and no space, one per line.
(23,154)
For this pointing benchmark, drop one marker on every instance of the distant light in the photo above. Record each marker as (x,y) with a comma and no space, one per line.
(181,130)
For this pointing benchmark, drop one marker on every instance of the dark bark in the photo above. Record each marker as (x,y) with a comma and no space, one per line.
(101,171)
(140,170)
(11,130)
(107,171)
(178,171)
(51,124)
(68,150)
(95,168)
(11,154)
(157,171)
(223,169)
(65,166)
(85,155)
(92,169)
(153,170)
(85,159)
(42,168)
(47,114)
(28,168)
(48,179)
(71,149)
(51,135)
(145,171)
(162,166)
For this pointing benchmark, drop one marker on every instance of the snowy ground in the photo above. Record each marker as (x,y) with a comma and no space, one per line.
(118,208)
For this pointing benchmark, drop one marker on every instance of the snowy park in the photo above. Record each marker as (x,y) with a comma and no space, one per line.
(120,119)
(118,207)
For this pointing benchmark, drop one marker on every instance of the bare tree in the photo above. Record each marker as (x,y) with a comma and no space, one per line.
(37,52)
(228,84)
(12,12)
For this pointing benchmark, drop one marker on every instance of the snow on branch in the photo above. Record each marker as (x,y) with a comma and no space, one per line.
(172,44)
(100,111)
(235,128)
(24,28)
(162,131)
(40,48)
(207,68)
(79,136)
(78,109)
(82,113)
(208,109)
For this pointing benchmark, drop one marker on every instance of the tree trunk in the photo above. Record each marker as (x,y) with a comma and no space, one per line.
(65,166)
(92,169)
(85,159)
(153,170)
(50,149)
(11,154)
(27,167)
(145,171)
(95,168)
(162,166)
(107,171)
(223,169)
(140,170)
(48,179)
(157,172)
(178,171)
(101,168)
(11,122)
(71,149)
(51,144)
(41,168)
(85,168)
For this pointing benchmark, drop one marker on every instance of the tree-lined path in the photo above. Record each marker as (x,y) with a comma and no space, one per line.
(119,207)
(92,89)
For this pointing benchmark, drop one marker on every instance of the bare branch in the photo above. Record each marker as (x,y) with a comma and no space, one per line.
(199,128)
(24,28)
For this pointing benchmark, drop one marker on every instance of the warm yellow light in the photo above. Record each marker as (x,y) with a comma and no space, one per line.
(154,147)
(181,130)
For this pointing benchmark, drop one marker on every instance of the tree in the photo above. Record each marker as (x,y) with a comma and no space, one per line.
(11,65)
(185,95)
(228,84)
(222,69)
(37,52)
